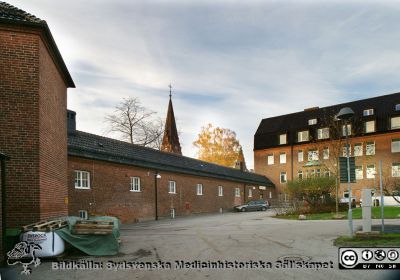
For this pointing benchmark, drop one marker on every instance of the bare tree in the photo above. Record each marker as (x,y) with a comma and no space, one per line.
(136,124)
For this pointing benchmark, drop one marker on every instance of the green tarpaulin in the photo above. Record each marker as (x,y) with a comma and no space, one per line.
(93,245)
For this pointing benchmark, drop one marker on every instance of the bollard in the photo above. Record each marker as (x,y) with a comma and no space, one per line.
(366,209)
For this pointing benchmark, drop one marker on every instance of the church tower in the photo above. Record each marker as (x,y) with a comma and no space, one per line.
(170,141)
(240,162)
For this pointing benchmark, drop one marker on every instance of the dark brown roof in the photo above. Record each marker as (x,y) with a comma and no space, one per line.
(14,16)
(90,146)
(267,135)
(170,141)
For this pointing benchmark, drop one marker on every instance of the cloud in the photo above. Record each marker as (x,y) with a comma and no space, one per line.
(231,63)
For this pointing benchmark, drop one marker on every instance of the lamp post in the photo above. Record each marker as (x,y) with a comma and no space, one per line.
(156,176)
(345,114)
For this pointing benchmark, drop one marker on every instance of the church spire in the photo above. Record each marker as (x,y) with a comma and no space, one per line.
(170,141)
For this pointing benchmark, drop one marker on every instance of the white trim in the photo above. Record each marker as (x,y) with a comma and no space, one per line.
(237,192)
(84,214)
(79,181)
(220,191)
(172,186)
(199,189)
(135,184)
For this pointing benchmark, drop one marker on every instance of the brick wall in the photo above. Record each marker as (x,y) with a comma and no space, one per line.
(33,133)
(382,152)
(110,192)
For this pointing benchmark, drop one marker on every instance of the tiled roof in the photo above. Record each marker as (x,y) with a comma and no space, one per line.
(86,145)
(10,12)
(267,135)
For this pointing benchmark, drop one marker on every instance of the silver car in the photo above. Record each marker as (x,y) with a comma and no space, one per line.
(254,205)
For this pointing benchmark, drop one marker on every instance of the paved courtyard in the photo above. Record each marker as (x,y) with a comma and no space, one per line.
(233,237)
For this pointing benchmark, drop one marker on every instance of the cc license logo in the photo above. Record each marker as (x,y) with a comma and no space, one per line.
(349,258)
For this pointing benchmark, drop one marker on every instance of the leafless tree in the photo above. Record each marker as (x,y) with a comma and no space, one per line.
(136,124)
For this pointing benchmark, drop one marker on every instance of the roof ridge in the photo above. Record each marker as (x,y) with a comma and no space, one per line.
(10,12)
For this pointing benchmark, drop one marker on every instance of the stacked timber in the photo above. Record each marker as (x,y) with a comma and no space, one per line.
(46,225)
(93,227)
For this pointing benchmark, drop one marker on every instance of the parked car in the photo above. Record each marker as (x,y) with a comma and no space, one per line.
(254,205)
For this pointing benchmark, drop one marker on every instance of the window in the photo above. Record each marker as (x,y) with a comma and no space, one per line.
(345,151)
(371,171)
(325,153)
(135,184)
(368,112)
(250,193)
(300,156)
(370,148)
(82,179)
(270,159)
(313,155)
(300,174)
(171,187)
(369,126)
(199,189)
(323,133)
(220,191)
(358,149)
(395,169)
(312,121)
(83,214)
(270,194)
(282,158)
(359,173)
(282,177)
(302,136)
(395,145)
(327,173)
(348,130)
(345,194)
(237,192)
(282,139)
(397,107)
(318,172)
(395,123)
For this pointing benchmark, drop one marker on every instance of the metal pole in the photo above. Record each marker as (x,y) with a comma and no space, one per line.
(155,195)
(350,214)
(382,198)
(337,196)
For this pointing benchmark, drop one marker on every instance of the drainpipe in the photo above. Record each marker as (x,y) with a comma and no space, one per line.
(3,159)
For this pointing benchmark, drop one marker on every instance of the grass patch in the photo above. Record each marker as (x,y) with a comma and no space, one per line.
(390,212)
(388,240)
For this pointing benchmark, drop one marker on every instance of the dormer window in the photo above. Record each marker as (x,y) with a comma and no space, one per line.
(302,136)
(368,112)
(397,107)
(282,139)
(312,121)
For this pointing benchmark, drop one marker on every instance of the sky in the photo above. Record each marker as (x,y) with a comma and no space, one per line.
(230,63)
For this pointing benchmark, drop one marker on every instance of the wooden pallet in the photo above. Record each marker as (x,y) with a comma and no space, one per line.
(46,225)
(93,227)
(106,222)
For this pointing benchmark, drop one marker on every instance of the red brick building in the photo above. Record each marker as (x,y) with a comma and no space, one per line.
(308,143)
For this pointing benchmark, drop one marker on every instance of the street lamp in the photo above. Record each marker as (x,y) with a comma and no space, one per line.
(345,114)
(156,176)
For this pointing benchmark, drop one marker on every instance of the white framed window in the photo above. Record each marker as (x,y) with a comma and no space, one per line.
(300,156)
(323,133)
(370,171)
(237,192)
(325,153)
(171,187)
(348,129)
(83,214)
(318,172)
(270,194)
(359,173)
(358,149)
(82,179)
(220,191)
(397,107)
(396,145)
(396,169)
(370,148)
(327,173)
(369,126)
(283,178)
(282,139)
(368,112)
(345,194)
(135,184)
(282,158)
(300,174)
(250,193)
(270,159)
(172,213)
(199,189)
(395,123)
(302,136)
(312,121)
(313,155)
(345,150)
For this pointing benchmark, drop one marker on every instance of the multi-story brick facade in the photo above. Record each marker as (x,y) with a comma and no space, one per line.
(309,143)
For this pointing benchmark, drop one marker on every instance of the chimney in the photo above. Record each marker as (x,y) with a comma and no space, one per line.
(71,121)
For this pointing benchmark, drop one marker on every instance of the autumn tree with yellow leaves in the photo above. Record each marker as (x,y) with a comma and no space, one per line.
(217,145)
